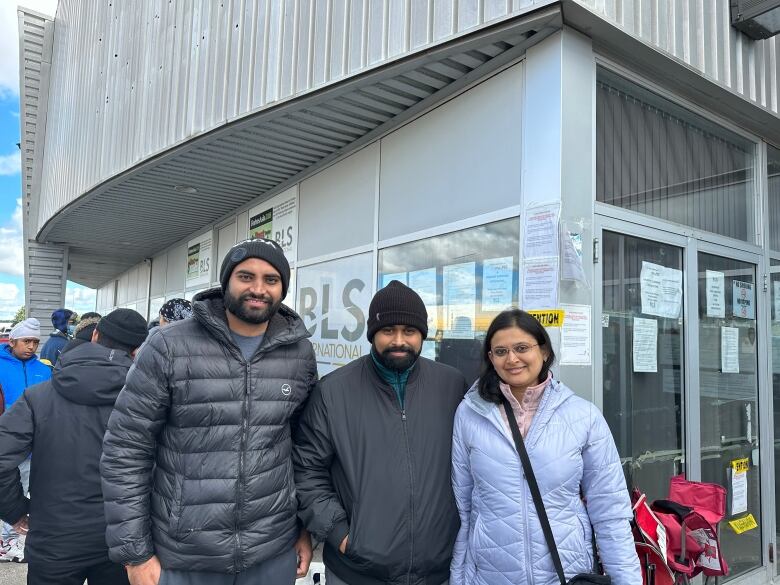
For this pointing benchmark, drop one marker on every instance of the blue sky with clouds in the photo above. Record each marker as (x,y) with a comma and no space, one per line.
(77,297)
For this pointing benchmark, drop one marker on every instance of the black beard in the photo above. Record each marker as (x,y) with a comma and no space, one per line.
(255,316)
(399,364)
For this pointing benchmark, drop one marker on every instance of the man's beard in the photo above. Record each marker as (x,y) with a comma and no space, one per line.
(399,364)
(238,307)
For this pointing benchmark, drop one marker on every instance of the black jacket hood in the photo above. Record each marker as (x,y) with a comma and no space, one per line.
(91,374)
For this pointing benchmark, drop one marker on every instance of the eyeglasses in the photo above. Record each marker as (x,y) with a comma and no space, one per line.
(518,349)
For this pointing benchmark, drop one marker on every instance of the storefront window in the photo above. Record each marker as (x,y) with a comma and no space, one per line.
(773,184)
(333,299)
(657,158)
(465,279)
(642,333)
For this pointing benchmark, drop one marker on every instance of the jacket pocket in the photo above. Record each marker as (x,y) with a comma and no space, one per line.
(352,535)
(586,542)
(176,505)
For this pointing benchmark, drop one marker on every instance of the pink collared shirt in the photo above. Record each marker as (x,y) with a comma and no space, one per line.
(524,412)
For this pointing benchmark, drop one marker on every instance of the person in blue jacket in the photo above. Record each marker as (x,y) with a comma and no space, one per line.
(20,368)
(63,329)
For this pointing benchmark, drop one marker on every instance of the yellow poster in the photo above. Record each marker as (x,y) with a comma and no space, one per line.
(549,317)
(743,524)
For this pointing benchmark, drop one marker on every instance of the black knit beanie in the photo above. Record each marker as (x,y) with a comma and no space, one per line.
(125,326)
(261,248)
(396,304)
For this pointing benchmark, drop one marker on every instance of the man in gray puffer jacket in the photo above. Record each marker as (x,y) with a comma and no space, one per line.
(197,475)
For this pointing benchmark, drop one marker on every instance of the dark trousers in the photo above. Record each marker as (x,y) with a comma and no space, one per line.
(105,573)
(279,570)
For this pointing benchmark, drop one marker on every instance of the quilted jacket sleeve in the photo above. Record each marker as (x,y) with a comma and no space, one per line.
(462,485)
(129,452)
(609,506)
(16,439)
(319,507)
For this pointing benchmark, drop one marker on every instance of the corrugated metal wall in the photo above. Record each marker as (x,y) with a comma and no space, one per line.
(132,79)
(699,33)
(45,283)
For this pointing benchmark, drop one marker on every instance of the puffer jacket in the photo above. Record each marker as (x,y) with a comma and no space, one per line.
(500,541)
(196,466)
(16,375)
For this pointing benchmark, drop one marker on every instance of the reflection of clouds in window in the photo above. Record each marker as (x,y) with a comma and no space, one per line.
(434,255)
(500,238)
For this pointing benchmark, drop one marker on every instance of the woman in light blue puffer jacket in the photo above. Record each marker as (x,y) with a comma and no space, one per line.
(572,452)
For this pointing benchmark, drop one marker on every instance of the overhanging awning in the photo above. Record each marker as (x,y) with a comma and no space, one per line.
(138,213)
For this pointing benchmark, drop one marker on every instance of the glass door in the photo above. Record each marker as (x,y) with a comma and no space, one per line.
(682,334)
(643,358)
(775,336)
(728,380)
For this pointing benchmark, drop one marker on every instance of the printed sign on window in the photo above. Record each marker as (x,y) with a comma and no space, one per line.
(744,304)
(199,253)
(333,299)
(277,220)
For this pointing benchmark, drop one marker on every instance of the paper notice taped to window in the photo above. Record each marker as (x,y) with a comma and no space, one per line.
(743,524)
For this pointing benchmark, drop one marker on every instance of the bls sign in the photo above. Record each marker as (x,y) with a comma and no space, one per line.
(321,305)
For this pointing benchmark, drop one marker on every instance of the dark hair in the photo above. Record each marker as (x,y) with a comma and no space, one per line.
(488,379)
(92,315)
(112,343)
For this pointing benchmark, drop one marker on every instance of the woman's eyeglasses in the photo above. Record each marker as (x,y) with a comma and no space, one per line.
(518,349)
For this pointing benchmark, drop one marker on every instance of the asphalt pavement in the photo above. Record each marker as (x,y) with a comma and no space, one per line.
(13,574)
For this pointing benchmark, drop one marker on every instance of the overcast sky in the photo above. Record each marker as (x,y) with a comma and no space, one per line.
(78,298)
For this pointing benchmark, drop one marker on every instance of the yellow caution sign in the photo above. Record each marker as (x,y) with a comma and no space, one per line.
(741,465)
(549,317)
(743,524)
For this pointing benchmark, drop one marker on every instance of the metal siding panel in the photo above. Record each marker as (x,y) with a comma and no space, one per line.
(376,32)
(699,33)
(197,70)
(421,26)
(444,15)
(159,272)
(357,35)
(397,19)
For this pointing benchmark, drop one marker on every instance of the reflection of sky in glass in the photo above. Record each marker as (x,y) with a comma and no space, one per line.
(496,240)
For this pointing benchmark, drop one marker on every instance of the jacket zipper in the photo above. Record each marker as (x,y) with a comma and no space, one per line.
(527,549)
(24,369)
(411,497)
(240,488)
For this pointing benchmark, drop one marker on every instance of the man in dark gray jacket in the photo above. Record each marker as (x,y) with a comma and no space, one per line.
(372,455)
(61,423)
(197,474)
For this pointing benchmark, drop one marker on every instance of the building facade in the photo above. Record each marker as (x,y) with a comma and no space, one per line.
(613,164)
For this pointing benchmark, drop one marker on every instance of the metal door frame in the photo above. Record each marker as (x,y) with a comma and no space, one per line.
(691,241)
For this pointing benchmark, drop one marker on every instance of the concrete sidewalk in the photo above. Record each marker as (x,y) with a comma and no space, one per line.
(13,574)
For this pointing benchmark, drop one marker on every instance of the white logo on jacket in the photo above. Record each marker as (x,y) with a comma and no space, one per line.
(286,389)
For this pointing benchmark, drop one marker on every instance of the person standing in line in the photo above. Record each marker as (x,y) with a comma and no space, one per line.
(174,310)
(83,331)
(372,455)
(64,324)
(197,473)
(20,368)
(61,422)
(573,457)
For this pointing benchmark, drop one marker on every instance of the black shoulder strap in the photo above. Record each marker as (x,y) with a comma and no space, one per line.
(535,493)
